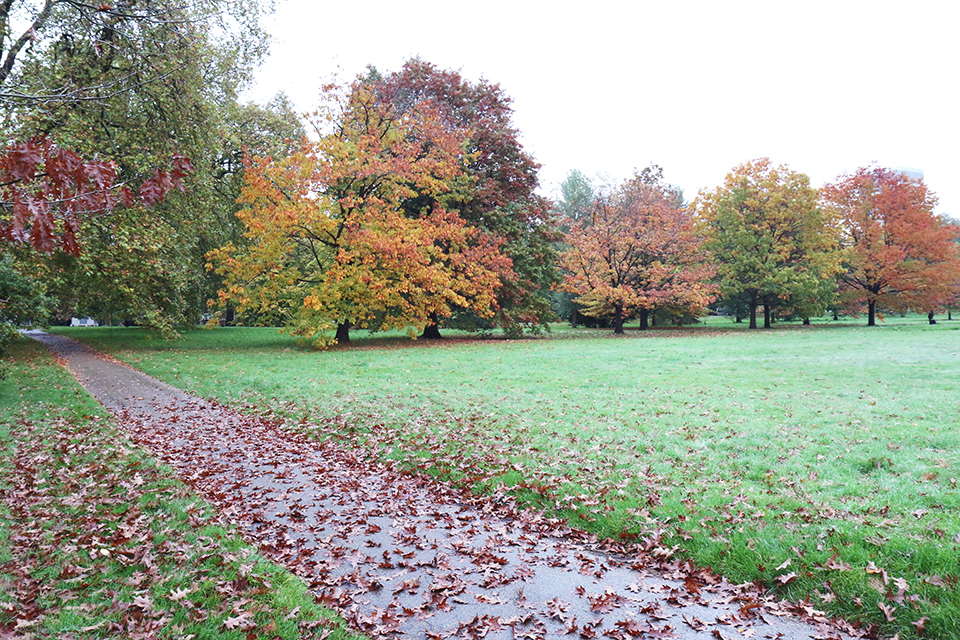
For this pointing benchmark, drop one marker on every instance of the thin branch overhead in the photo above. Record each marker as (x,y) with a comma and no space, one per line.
(92,93)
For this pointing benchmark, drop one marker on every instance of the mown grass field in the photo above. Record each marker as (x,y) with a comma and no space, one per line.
(822,461)
(98,541)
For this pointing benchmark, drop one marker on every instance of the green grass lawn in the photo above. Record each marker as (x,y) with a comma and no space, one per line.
(98,541)
(822,461)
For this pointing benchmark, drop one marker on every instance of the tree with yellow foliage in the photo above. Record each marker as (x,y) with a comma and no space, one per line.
(769,240)
(330,244)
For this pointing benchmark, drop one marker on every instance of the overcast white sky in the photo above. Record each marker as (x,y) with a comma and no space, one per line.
(696,87)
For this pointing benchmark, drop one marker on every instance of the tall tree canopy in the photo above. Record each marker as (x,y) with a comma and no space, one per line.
(502,201)
(62,52)
(899,255)
(770,242)
(134,84)
(638,251)
(332,241)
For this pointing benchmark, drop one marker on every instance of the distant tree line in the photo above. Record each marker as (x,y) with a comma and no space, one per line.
(763,242)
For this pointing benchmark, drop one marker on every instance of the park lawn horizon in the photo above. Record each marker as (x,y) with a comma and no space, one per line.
(821,461)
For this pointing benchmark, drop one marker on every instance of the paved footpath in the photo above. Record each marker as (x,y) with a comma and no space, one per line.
(402,556)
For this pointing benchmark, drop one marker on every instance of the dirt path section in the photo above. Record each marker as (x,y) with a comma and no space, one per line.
(407,557)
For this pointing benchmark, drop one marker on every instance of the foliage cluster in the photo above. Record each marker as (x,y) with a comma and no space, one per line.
(412,204)
(97,100)
(772,243)
(899,255)
(22,303)
(637,252)
(329,242)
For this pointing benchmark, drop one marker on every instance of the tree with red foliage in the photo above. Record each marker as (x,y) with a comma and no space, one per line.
(502,201)
(46,190)
(637,252)
(899,255)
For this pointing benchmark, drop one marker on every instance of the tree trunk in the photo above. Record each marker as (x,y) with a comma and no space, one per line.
(431,332)
(753,315)
(644,317)
(872,313)
(766,317)
(739,319)
(930,318)
(574,318)
(618,320)
(806,321)
(343,333)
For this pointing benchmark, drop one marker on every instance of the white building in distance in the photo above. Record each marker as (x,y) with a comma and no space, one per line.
(913,174)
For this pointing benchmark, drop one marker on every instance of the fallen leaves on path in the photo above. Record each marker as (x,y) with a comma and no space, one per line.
(404,555)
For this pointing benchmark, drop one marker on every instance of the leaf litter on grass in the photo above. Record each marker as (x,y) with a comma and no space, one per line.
(95,551)
(98,541)
(746,450)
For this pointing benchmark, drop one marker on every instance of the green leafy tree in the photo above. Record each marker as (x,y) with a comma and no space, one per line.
(22,301)
(770,242)
(136,83)
(58,53)
(577,195)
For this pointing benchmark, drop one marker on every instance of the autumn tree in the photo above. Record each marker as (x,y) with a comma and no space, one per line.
(770,242)
(899,255)
(331,243)
(637,252)
(502,199)
(953,302)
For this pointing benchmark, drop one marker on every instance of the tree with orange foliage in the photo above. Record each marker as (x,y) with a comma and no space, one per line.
(637,252)
(331,245)
(899,255)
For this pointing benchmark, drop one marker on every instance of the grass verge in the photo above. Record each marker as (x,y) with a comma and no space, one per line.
(820,461)
(98,541)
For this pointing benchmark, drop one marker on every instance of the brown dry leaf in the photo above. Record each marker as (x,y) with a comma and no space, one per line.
(789,577)
(887,611)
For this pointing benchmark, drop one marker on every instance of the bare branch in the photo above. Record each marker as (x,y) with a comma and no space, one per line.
(65,94)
